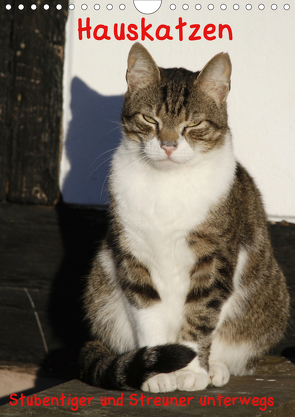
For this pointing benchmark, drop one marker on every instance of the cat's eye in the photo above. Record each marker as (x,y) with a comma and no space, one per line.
(150,119)
(193,124)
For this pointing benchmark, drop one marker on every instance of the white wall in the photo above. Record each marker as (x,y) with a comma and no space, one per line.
(261,103)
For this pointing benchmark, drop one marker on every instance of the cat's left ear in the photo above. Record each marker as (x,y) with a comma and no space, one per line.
(214,79)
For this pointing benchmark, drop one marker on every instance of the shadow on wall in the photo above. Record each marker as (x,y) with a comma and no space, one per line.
(94,133)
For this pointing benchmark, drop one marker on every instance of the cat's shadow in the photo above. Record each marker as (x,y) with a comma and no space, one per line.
(93,133)
(94,130)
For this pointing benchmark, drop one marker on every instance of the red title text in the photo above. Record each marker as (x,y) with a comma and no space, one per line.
(145,31)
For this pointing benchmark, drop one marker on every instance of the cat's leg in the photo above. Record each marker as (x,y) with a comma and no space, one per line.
(200,318)
(195,375)
(156,318)
(216,297)
(160,383)
(105,305)
(230,358)
(218,373)
(228,354)
(159,325)
(152,329)
(249,325)
(203,371)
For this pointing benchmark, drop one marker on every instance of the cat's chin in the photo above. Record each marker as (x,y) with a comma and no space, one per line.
(167,163)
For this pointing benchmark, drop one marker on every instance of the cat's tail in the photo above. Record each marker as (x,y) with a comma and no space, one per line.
(100,368)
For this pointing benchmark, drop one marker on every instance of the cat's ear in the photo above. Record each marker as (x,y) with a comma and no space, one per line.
(142,69)
(214,79)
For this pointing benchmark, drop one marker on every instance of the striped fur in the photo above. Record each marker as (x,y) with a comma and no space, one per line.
(184,290)
(130,370)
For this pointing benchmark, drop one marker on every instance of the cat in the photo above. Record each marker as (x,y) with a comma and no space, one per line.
(185,290)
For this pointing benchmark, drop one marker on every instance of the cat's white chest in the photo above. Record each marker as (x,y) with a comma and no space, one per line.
(157,210)
(156,227)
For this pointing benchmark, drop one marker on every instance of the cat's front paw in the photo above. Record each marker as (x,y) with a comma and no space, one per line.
(218,373)
(192,381)
(160,383)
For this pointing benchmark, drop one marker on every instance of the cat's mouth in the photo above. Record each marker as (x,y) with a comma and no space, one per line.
(163,155)
(167,162)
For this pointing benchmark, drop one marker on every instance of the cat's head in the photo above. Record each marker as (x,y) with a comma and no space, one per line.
(175,115)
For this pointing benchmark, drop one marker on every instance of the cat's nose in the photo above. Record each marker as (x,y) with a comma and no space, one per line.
(168,148)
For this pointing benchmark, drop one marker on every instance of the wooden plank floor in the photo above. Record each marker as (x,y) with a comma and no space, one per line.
(270,392)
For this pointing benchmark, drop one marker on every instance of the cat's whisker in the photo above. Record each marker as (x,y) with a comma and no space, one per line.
(113,121)
(110,150)
(144,157)
(108,159)
(110,131)
(106,178)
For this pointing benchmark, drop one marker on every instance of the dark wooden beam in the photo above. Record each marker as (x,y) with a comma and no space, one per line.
(6,54)
(33,45)
(45,255)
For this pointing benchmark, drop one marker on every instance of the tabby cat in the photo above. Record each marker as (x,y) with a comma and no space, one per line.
(184,290)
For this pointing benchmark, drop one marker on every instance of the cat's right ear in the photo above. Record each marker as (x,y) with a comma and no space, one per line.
(142,69)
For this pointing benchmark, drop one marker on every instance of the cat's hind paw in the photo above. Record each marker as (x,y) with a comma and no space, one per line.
(191,381)
(218,373)
(160,383)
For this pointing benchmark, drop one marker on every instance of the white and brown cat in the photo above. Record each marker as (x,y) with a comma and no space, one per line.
(184,290)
